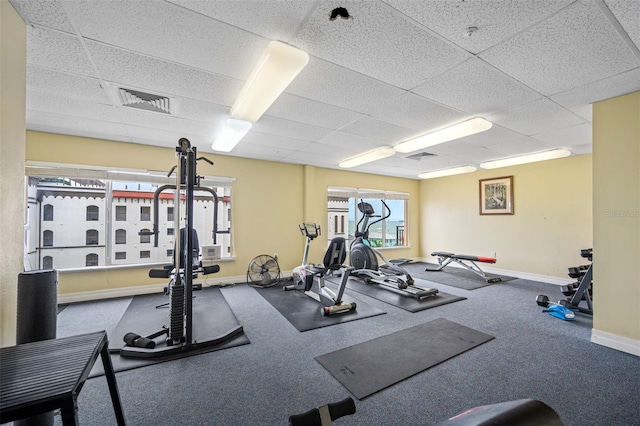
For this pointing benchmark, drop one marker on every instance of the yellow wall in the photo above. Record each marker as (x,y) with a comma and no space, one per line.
(268,201)
(552,220)
(13,65)
(616,217)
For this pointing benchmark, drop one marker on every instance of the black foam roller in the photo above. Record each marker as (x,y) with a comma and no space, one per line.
(37,306)
(37,319)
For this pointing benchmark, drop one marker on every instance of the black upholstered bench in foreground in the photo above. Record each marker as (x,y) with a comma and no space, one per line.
(43,376)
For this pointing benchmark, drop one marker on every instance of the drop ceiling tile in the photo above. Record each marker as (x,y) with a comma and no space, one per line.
(495,20)
(317,160)
(579,99)
(535,117)
(513,148)
(273,141)
(47,102)
(496,134)
(288,128)
(193,109)
(353,143)
(260,152)
(131,70)
(577,46)
(415,112)
(274,20)
(374,128)
(47,13)
(627,12)
(337,152)
(45,121)
(154,120)
(56,50)
(568,136)
(476,88)
(332,84)
(311,112)
(377,42)
(165,138)
(64,84)
(167,31)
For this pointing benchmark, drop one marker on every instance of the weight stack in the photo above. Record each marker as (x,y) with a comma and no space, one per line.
(37,312)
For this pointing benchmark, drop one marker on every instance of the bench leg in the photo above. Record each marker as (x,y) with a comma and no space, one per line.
(113,386)
(69,411)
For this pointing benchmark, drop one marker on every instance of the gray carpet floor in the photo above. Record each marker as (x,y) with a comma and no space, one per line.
(533,355)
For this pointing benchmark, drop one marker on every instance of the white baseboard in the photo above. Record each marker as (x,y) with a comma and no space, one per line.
(524,275)
(623,344)
(86,296)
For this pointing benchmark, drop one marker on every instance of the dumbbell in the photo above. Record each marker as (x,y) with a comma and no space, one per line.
(543,301)
(569,289)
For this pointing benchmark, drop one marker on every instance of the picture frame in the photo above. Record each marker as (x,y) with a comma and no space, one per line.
(496,196)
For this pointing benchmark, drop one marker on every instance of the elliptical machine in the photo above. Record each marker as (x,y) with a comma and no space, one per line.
(364,259)
(309,278)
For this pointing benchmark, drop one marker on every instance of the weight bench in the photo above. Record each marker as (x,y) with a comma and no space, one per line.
(445,258)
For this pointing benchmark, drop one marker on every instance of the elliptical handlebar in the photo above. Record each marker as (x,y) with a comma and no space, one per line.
(367,212)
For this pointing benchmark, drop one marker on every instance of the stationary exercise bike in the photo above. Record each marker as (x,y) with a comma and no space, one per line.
(309,278)
(364,259)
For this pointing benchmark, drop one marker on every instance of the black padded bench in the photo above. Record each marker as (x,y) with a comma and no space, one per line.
(445,258)
(42,376)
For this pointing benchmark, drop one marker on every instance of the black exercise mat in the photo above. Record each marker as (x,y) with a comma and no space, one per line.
(453,276)
(402,300)
(371,366)
(304,313)
(212,317)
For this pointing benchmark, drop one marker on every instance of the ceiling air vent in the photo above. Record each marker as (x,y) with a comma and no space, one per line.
(146,101)
(419,156)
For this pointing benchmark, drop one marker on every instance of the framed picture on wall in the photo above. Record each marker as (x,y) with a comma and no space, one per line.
(496,196)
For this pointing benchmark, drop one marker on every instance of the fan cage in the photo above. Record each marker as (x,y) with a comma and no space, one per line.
(263,271)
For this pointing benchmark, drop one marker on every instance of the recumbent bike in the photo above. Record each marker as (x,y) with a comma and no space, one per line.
(309,278)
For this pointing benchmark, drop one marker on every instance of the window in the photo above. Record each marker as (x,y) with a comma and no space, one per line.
(92,213)
(92,237)
(47,239)
(108,202)
(47,262)
(91,260)
(47,212)
(145,214)
(121,213)
(145,239)
(388,230)
(121,236)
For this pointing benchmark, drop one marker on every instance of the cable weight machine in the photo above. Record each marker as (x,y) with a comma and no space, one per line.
(186,266)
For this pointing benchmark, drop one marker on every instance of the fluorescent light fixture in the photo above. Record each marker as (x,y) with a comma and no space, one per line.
(230,135)
(532,158)
(276,69)
(368,157)
(466,128)
(447,172)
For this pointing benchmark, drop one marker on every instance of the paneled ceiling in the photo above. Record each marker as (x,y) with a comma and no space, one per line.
(394,70)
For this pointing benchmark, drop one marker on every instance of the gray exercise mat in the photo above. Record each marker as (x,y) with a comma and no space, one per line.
(371,366)
(304,313)
(212,317)
(452,275)
(400,299)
